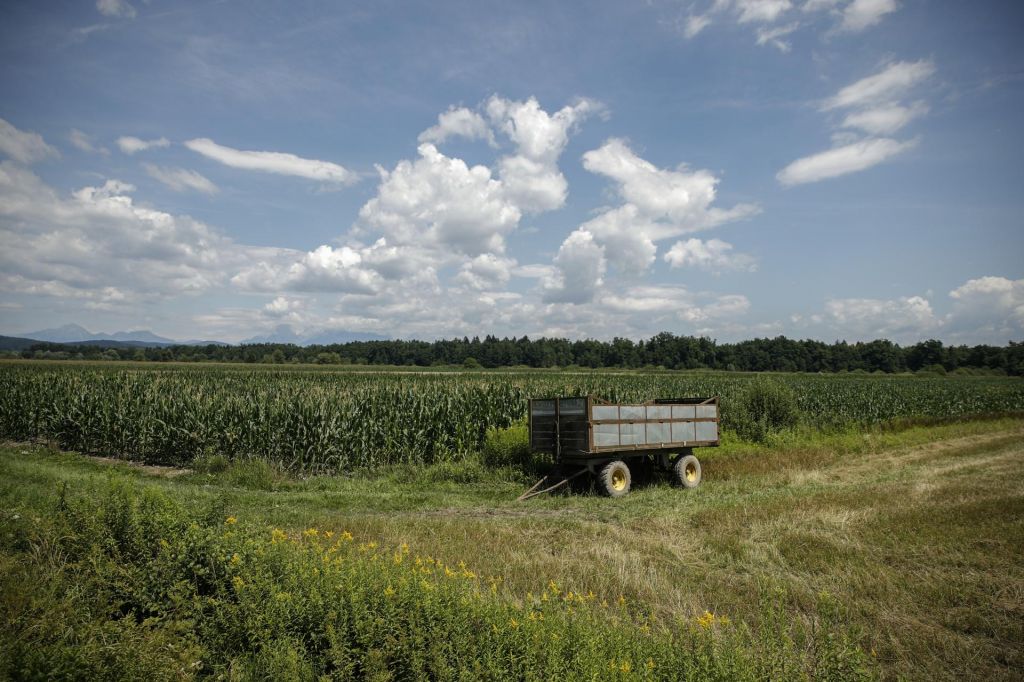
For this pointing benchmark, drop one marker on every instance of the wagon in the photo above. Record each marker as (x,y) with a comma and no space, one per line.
(590,435)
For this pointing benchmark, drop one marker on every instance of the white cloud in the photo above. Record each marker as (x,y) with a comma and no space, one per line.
(842,160)
(695,23)
(323,269)
(665,303)
(885,120)
(282,305)
(714,255)
(439,202)
(531,176)
(281,163)
(486,272)
(659,204)
(761,11)
(115,8)
(580,267)
(880,318)
(130,145)
(876,111)
(892,82)
(860,14)
(460,122)
(819,5)
(84,142)
(99,240)
(180,179)
(26,147)
(991,305)
(681,198)
(773,36)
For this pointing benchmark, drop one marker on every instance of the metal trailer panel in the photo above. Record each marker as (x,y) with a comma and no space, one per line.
(585,429)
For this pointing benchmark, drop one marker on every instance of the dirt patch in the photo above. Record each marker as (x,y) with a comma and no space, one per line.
(150,469)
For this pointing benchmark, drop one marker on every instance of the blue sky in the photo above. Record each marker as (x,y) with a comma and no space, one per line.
(833,169)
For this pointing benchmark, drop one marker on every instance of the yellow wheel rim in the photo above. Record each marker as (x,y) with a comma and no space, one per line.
(619,479)
(691,472)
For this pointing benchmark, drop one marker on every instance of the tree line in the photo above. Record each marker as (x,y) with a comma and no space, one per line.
(665,350)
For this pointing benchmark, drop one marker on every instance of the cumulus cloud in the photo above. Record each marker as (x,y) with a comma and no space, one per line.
(990,306)
(531,177)
(860,14)
(579,270)
(881,318)
(130,145)
(714,255)
(842,160)
(458,122)
(115,8)
(281,163)
(664,303)
(100,240)
(486,272)
(84,142)
(26,147)
(180,179)
(889,84)
(324,269)
(439,202)
(658,204)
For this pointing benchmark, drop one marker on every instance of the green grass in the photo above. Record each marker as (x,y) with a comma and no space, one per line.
(914,533)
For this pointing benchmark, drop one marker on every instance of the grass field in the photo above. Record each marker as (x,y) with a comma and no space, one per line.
(914,534)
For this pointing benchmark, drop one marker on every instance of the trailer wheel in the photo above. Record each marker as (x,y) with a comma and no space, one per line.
(614,479)
(686,471)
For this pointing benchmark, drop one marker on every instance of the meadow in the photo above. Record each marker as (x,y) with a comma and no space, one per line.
(877,537)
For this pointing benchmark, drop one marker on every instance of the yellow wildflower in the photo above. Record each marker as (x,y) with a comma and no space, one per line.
(626,666)
(238,582)
(389,591)
(706,620)
(231,520)
(235,559)
(311,532)
(514,623)
(622,600)
(650,664)
(277,535)
(345,535)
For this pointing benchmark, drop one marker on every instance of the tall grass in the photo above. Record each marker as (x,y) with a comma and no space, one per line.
(120,584)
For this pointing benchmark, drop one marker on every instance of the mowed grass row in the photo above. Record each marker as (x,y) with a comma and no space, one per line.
(330,420)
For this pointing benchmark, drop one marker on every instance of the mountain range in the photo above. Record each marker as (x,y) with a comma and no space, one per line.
(74,333)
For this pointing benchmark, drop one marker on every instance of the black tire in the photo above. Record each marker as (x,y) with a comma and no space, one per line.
(686,472)
(614,479)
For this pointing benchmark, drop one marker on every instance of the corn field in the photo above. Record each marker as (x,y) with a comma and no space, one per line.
(322,420)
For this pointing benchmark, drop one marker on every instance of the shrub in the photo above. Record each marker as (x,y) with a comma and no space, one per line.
(507,447)
(764,407)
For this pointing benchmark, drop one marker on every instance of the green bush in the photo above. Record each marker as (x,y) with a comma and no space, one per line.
(765,406)
(509,446)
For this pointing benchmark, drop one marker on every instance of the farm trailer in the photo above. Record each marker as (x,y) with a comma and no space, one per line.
(604,439)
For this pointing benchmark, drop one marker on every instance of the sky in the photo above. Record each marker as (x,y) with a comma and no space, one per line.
(828,169)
